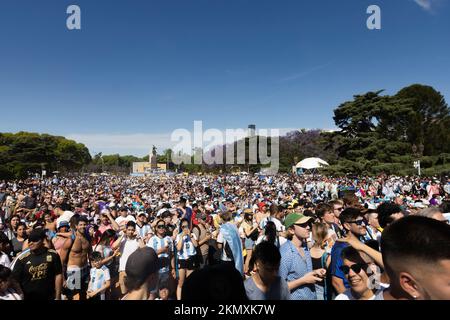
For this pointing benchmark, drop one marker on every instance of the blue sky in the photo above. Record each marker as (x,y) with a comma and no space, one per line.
(140,69)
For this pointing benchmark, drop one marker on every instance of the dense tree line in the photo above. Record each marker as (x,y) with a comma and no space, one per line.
(26,153)
(385,134)
(376,134)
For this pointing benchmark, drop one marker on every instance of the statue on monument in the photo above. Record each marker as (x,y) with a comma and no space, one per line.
(152,159)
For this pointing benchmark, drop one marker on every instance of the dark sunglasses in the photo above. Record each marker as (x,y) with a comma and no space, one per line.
(357,267)
(161,226)
(340,209)
(304,225)
(358,222)
(184,227)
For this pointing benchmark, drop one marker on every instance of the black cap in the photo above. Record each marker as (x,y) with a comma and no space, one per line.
(37,235)
(142,263)
(166,214)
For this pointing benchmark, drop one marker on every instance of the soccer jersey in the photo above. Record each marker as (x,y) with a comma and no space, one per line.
(98,278)
(157,243)
(144,230)
(188,249)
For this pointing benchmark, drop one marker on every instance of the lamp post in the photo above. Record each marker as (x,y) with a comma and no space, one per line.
(417,152)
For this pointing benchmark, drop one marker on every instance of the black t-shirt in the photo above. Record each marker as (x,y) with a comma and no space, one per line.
(36,274)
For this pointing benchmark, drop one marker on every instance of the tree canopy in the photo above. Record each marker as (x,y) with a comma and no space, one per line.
(22,153)
(376,133)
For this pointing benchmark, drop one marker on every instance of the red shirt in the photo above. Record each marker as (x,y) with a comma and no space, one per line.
(194,220)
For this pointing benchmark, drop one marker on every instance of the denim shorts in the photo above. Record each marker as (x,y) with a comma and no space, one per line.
(249,243)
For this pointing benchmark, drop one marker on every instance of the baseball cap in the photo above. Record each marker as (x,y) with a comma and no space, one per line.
(295,218)
(161,211)
(62,223)
(141,263)
(37,235)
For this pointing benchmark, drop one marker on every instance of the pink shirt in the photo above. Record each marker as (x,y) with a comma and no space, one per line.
(103,228)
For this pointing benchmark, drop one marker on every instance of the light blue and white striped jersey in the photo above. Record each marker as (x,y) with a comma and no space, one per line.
(188,249)
(142,231)
(98,277)
(157,243)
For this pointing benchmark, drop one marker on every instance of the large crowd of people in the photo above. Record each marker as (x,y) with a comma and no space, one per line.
(218,237)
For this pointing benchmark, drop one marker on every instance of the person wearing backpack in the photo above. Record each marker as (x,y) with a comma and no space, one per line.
(321,259)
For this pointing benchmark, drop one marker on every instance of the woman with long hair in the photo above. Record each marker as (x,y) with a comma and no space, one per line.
(249,233)
(186,244)
(19,239)
(14,221)
(320,258)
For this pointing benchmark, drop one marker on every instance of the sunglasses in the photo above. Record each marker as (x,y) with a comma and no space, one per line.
(184,227)
(161,226)
(340,209)
(303,225)
(358,222)
(357,267)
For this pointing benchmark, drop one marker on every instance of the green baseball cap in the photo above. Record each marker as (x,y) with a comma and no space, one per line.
(294,218)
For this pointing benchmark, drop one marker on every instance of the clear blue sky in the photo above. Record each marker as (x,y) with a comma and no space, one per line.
(150,66)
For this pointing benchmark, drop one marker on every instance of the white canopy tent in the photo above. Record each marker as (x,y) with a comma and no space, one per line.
(311,164)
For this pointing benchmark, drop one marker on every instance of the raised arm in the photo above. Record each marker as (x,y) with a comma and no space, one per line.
(358,245)
(114,224)
(116,243)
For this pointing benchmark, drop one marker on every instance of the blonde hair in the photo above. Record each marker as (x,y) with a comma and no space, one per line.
(319,233)
(226,216)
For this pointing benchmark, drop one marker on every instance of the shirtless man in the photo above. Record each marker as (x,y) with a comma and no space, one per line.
(77,267)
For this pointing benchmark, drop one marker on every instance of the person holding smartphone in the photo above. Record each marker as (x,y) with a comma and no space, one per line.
(186,244)
(127,243)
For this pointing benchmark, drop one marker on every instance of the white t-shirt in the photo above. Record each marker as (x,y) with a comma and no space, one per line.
(347,295)
(280,227)
(4,260)
(221,240)
(262,238)
(127,247)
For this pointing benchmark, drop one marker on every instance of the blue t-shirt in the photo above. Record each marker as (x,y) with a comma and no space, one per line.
(279,290)
(336,261)
(188,215)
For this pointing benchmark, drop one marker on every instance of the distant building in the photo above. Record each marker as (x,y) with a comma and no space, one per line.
(143,168)
(146,167)
(251,130)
